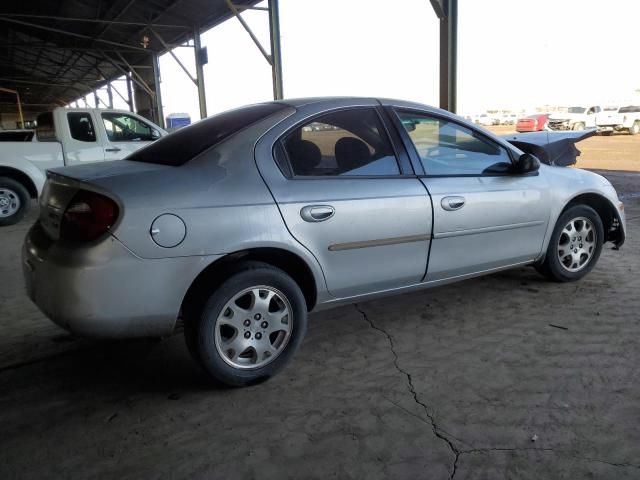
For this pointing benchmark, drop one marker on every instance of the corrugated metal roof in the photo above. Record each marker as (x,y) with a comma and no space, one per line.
(53,52)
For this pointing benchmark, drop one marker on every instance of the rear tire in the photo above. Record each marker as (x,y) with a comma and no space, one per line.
(14,201)
(249,327)
(575,245)
(635,128)
(578,126)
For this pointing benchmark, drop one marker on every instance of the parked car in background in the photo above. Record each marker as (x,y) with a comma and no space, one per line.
(575,118)
(18,135)
(533,123)
(66,137)
(624,119)
(246,221)
(509,119)
(486,120)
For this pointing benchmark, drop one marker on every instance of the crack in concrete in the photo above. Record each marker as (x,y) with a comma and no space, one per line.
(434,426)
(440,433)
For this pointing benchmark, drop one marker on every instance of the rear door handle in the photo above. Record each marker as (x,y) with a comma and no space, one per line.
(452,203)
(317,213)
(114,149)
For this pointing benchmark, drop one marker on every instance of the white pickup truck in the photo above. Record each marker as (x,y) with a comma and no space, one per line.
(66,137)
(624,119)
(575,118)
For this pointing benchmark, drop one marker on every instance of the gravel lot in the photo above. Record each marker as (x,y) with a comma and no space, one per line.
(471,380)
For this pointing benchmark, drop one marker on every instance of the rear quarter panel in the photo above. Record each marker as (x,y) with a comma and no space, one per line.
(220,196)
(32,158)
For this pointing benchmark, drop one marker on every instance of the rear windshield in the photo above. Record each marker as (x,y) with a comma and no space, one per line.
(183,145)
(577,109)
(629,109)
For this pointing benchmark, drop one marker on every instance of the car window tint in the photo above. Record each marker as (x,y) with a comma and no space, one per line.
(121,127)
(448,148)
(81,127)
(188,142)
(343,143)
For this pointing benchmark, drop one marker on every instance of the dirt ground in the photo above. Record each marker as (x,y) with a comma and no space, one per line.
(506,376)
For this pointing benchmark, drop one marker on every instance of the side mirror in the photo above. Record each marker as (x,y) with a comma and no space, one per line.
(527,163)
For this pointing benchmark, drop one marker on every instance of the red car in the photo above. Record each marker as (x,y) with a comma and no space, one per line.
(532,123)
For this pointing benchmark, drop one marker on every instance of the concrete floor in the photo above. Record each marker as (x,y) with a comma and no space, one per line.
(457,380)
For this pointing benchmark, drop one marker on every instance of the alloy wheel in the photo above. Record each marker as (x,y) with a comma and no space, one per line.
(254,327)
(577,244)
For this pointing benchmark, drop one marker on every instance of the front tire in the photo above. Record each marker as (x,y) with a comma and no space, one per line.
(249,327)
(14,201)
(575,245)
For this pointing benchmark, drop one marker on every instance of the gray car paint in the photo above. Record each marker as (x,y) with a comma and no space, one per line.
(229,205)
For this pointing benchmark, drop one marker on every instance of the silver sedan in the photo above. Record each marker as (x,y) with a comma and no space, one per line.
(244,222)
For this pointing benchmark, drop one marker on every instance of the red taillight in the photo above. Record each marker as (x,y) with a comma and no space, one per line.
(88,216)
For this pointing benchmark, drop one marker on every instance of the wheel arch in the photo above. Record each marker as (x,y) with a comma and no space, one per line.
(20,177)
(218,271)
(605,210)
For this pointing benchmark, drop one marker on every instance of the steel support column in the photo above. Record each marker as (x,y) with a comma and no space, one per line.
(447,11)
(110,95)
(158,95)
(202,99)
(276,52)
(129,92)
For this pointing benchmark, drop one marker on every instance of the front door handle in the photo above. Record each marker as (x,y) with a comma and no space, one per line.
(114,149)
(452,203)
(317,213)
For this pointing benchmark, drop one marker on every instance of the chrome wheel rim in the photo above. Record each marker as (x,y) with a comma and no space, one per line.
(254,327)
(577,244)
(9,202)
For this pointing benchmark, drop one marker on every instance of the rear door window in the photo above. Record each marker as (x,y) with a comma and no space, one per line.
(343,143)
(81,127)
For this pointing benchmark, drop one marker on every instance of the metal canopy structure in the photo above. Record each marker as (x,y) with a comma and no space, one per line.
(55,52)
(52,53)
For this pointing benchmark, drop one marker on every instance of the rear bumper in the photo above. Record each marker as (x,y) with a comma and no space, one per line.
(105,290)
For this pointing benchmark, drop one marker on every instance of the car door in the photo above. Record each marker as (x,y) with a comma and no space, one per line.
(590,117)
(125,134)
(344,196)
(484,216)
(81,144)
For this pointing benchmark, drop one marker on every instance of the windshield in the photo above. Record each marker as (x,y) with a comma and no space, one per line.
(179,147)
(577,110)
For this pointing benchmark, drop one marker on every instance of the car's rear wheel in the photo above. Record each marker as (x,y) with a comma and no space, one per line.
(635,128)
(578,126)
(250,326)
(14,201)
(575,245)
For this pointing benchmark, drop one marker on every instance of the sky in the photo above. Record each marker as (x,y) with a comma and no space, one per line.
(512,54)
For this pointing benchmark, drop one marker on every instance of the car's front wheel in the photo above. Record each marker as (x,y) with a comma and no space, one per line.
(575,245)
(250,326)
